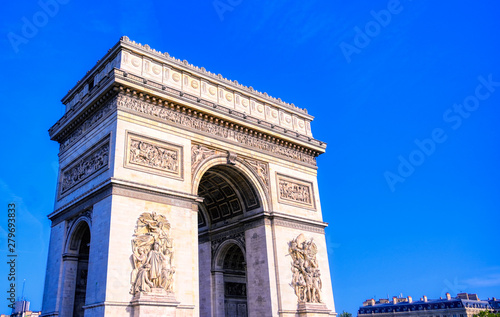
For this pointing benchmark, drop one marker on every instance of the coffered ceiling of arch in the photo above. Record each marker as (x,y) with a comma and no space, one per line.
(226,194)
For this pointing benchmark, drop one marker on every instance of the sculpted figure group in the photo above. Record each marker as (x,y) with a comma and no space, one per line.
(152,255)
(150,155)
(292,191)
(306,278)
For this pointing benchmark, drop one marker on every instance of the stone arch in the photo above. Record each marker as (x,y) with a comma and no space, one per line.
(75,232)
(232,193)
(230,277)
(75,267)
(249,174)
(222,251)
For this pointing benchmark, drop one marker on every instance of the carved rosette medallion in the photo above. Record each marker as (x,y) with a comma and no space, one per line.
(306,277)
(152,255)
(153,156)
(296,192)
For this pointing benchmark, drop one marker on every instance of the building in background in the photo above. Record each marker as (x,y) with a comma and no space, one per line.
(464,305)
(22,309)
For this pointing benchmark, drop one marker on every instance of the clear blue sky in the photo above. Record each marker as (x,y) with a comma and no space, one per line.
(402,219)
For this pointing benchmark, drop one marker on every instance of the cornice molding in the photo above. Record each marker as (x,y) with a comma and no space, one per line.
(76,117)
(164,111)
(138,86)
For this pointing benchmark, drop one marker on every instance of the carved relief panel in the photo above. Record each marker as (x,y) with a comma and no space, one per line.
(294,191)
(153,156)
(152,255)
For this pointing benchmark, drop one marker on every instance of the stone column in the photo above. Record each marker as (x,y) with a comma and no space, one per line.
(219,293)
(70,267)
(205,277)
(259,288)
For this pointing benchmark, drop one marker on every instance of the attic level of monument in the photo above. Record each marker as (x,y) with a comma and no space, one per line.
(164,81)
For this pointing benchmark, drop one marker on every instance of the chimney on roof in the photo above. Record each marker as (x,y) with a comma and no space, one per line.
(394,300)
(473,297)
(425,298)
(410,300)
(448,296)
(372,301)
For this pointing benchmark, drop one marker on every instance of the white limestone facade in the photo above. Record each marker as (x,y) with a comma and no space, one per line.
(232,173)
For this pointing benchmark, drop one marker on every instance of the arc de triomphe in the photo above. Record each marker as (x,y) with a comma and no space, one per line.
(182,193)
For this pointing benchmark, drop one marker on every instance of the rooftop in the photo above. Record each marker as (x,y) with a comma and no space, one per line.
(408,304)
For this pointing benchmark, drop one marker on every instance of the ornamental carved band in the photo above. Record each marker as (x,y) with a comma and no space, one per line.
(306,278)
(168,115)
(152,255)
(89,124)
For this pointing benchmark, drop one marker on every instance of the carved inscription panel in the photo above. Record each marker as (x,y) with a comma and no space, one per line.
(153,156)
(295,192)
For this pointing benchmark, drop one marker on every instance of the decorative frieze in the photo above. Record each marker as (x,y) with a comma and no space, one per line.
(95,160)
(306,278)
(234,289)
(153,156)
(152,255)
(213,129)
(299,226)
(294,191)
(91,122)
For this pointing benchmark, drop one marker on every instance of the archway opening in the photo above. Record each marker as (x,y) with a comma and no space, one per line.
(227,194)
(81,246)
(228,197)
(235,284)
